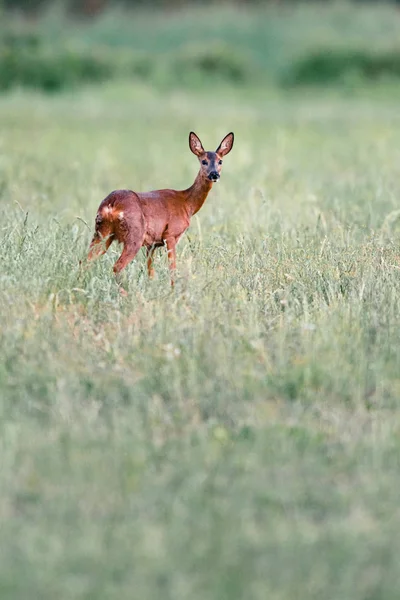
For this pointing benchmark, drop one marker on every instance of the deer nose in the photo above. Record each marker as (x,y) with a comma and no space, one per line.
(214,176)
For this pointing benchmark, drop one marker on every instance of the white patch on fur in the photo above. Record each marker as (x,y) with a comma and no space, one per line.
(107,209)
(121,215)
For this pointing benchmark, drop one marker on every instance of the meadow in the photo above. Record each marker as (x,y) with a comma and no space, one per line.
(239,435)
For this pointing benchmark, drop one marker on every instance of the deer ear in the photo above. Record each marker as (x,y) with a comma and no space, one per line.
(195,144)
(226,145)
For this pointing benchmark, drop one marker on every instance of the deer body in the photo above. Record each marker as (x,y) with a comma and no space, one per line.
(157,218)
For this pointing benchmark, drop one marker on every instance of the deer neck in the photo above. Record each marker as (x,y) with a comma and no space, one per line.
(197,193)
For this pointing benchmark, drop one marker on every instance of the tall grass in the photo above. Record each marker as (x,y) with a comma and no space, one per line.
(238,436)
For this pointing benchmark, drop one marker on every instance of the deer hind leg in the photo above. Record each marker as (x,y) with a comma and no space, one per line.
(99,245)
(129,231)
(131,248)
(102,239)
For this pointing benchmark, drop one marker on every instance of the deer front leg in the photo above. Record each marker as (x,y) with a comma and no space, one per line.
(150,252)
(171,248)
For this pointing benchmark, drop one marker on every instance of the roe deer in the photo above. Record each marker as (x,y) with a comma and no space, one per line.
(152,219)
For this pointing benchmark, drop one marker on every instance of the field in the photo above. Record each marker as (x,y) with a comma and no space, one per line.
(238,436)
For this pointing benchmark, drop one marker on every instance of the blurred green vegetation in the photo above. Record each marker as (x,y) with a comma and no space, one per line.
(93,7)
(238,437)
(296,45)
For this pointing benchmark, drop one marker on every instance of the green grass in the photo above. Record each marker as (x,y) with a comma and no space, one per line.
(237,437)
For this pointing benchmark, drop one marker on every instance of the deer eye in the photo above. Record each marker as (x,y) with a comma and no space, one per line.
(204,162)
(220,162)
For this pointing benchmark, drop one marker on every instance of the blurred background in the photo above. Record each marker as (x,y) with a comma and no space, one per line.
(179,43)
(240,437)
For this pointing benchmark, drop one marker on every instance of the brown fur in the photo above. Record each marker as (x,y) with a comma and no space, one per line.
(152,219)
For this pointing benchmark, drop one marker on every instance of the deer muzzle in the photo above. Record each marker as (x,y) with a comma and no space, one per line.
(213,176)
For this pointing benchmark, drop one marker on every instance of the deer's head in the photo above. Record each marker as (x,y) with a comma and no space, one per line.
(211,162)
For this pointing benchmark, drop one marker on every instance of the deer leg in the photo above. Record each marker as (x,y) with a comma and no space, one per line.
(150,252)
(171,248)
(99,245)
(128,253)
